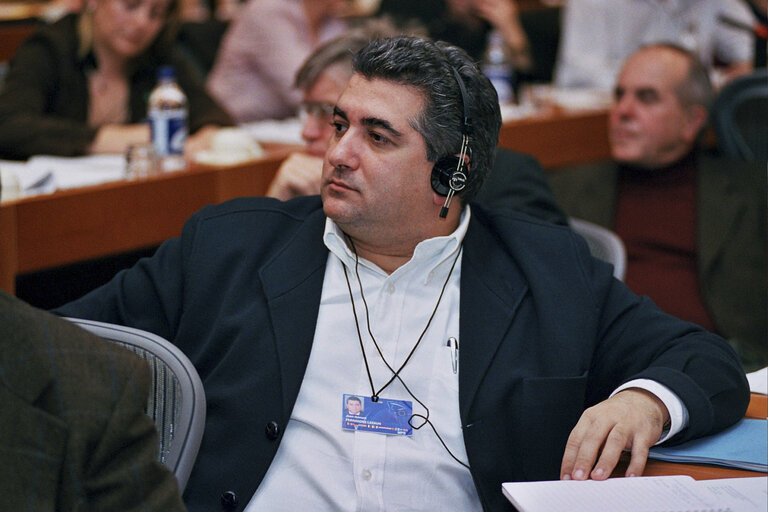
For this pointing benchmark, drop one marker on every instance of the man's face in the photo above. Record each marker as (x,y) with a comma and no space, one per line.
(354,406)
(376,174)
(318,105)
(648,126)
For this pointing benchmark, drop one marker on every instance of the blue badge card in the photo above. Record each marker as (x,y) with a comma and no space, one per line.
(383,417)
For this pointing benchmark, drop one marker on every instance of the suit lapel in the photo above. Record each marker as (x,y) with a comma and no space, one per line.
(492,288)
(293,283)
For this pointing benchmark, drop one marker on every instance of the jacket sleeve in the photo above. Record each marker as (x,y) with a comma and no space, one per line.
(636,339)
(27,127)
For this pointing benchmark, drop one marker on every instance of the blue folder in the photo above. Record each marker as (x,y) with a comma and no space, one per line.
(743,445)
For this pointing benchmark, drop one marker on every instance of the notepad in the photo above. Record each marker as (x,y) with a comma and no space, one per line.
(743,445)
(677,493)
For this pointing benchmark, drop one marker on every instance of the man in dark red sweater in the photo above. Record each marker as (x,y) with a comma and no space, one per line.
(694,225)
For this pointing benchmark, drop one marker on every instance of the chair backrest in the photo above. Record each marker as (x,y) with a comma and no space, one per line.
(176,401)
(739,117)
(603,244)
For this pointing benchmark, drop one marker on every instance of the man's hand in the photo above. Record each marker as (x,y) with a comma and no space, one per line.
(631,419)
(298,175)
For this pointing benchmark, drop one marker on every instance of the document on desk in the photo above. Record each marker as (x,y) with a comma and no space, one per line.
(70,172)
(758,381)
(743,445)
(677,493)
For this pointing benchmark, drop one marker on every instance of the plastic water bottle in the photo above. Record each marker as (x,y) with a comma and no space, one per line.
(167,115)
(497,66)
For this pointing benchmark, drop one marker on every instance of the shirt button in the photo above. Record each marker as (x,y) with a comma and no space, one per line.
(366,474)
(229,499)
(391,288)
(272,430)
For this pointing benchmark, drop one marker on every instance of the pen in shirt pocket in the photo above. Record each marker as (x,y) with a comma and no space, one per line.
(453,343)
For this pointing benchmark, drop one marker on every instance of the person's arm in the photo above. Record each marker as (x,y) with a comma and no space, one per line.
(33,83)
(298,175)
(503,16)
(639,341)
(123,472)
(116,138)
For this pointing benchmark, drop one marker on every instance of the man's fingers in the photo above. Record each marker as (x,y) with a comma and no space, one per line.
(582,448)
(639,457)
(614,445)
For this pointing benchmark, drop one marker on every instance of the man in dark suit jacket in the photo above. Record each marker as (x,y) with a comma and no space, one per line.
(254,292)
(73,431)
(694,224)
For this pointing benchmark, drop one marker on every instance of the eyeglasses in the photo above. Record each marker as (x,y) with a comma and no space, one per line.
(317,109)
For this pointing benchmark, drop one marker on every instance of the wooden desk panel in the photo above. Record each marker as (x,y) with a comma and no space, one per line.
(559,139)
(80,224)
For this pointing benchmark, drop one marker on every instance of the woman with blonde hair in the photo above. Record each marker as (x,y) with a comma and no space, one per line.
(80,85)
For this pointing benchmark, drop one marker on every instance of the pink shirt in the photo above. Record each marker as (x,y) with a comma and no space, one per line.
(259,57)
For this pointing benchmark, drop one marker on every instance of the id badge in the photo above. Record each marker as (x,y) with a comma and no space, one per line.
(383,417)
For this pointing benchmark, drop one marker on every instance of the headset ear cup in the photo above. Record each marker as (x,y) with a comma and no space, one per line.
(441,174)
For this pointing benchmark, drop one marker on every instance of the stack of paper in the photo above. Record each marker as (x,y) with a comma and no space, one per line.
(640,494)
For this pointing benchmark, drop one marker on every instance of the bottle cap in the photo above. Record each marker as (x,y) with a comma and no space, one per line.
(164,72)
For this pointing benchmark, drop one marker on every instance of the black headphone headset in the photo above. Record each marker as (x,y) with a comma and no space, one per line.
(449,175)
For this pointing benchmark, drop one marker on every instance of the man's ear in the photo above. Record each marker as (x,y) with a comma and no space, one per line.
(696,120)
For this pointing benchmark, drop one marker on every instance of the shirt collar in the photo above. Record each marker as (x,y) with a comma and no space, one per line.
(430,252)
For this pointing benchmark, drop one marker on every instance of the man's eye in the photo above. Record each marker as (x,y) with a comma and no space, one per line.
(647,96)
(378,138)
(338,127)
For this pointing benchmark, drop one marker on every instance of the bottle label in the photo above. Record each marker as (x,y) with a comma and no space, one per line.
(169,131)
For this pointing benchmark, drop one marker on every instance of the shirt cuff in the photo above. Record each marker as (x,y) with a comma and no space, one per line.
(678,413)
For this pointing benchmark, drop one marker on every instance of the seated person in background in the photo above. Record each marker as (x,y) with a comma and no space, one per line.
(694,226)
(271,301)
(73,431)
(465,23)
(516,183)
(252,76)
(321,80)
(80,85)
(597,35)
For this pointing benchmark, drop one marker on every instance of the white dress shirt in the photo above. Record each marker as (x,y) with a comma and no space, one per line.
(598,35)
(321,467)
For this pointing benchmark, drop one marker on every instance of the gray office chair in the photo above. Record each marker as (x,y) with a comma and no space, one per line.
(603,244)
(739,117)
(176,401)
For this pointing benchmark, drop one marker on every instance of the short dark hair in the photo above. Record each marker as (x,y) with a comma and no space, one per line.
(427,66)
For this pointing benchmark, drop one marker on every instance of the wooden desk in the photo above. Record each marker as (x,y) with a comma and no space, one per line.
(80,224)
(559,138)
(74,225)
(758,407)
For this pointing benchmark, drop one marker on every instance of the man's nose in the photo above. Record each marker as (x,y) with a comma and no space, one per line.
(624,106)
(343,151)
